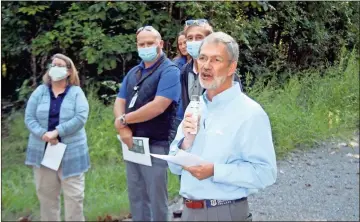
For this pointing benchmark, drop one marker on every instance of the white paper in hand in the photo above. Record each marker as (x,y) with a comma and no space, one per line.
(139,153)
(53,155)
(182,158)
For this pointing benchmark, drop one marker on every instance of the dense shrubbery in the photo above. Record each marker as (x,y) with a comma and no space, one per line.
(276,38)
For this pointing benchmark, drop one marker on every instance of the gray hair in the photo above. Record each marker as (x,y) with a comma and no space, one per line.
(231,45)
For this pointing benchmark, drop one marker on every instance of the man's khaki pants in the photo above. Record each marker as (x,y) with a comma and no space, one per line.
(48,188)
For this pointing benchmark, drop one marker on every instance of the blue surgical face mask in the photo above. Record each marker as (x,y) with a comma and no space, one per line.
(193,48)
(57,73)
(148,54)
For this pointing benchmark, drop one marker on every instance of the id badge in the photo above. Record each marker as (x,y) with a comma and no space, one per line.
(133,100)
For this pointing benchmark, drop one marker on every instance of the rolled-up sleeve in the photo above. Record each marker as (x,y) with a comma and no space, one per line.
(31,121)
(80,118)
(256,166)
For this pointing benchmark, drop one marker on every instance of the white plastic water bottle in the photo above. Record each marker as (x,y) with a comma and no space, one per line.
(194,108)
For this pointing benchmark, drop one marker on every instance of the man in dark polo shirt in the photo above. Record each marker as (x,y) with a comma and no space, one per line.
(146,107)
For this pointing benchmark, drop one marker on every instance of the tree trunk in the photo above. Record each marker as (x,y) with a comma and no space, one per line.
(180,14)
(171,3)
(123,62)
(42,63)
(34,71)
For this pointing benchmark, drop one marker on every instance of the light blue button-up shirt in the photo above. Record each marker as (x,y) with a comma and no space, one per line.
(235,135)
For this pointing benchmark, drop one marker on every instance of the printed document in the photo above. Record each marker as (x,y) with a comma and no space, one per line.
(182,158)
(139,153)
(53,155)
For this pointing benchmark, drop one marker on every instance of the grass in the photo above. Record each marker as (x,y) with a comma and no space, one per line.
(303,112)
(306,111)
(105,192)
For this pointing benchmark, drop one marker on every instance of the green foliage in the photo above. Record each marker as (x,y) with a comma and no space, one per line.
(104,146)
(276,38)
(24,91)
(113,89)
(33,9)
(308,110)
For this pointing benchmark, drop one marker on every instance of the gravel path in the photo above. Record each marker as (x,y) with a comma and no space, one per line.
(321,184)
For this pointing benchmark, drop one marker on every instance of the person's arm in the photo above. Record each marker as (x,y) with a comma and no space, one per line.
(119,107)
(174,148)
(168,91)
(78,121)
(120,102)
(257,168)
(183,140)
(31,121)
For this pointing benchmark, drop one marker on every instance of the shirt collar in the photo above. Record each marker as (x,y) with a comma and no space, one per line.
(63,93)
(224,96)
(193,69)
(183,59)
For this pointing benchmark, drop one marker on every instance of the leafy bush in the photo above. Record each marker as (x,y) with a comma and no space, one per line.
(310,109)
(276,38)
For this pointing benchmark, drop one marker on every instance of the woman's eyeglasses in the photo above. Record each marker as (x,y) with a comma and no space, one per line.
(53,65)
(196,22)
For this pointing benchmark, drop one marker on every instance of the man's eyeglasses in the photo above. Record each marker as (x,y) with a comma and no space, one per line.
(213,60)
(196,22)
(146,28)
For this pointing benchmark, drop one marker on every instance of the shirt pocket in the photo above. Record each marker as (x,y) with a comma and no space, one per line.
(219,143)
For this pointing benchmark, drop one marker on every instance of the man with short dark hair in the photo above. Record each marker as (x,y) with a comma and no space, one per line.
(145,107)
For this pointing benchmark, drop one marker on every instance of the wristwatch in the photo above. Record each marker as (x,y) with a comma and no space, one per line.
(122,120)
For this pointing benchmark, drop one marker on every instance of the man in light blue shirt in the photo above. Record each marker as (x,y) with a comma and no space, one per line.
(233,135)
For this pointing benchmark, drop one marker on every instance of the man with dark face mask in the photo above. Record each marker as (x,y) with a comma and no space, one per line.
(145,107)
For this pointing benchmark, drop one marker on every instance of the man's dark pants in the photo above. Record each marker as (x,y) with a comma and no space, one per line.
(147,188)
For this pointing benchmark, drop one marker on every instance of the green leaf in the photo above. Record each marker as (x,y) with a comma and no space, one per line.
(113,63)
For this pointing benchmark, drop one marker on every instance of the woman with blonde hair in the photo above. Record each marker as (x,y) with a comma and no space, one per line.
(57,112)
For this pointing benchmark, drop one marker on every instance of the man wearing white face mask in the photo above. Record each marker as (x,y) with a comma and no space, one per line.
(57,112)
(145,107)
